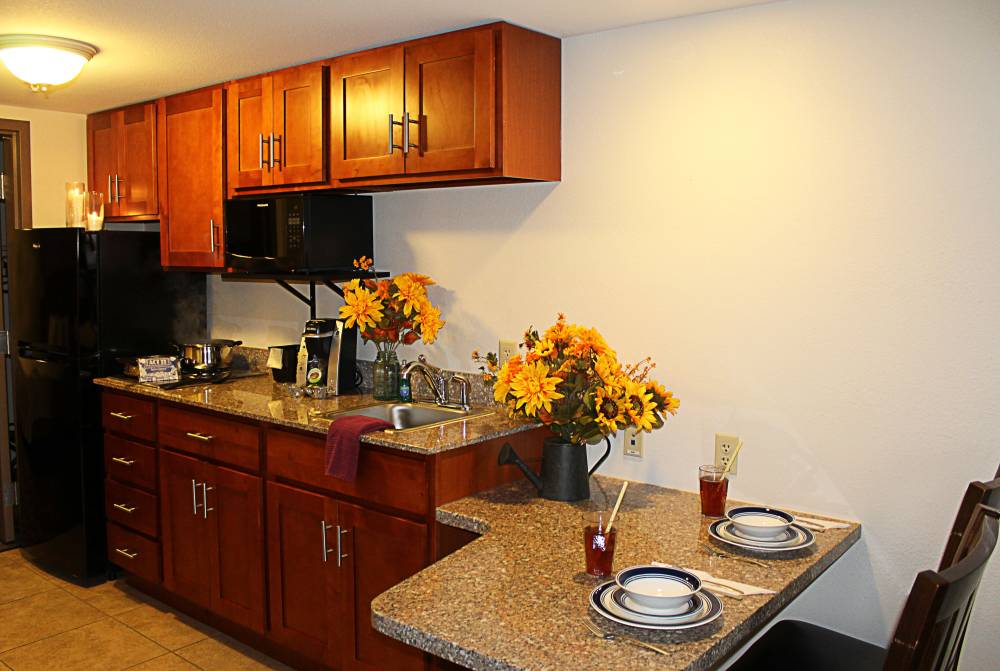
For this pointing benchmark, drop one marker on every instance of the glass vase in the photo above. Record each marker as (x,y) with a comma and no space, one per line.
(385,376)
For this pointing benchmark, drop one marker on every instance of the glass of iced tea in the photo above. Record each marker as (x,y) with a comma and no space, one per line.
(713,486)
(599,542)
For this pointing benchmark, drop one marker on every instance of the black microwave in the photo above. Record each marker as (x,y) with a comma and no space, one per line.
(297,233)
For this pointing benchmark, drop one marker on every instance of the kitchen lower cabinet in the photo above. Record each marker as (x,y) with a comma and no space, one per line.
(378,552)
(253,536)
(213,537)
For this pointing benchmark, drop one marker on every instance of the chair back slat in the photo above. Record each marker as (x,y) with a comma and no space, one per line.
(932,627)
(978,493)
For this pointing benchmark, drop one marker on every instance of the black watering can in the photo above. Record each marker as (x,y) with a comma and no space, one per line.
(564,469)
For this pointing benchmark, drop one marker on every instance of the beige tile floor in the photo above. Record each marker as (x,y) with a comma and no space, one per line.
(48,623)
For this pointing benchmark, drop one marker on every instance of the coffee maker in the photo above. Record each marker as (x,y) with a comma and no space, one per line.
(328,356)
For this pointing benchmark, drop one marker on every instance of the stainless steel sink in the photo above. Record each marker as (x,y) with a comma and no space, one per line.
(409,416)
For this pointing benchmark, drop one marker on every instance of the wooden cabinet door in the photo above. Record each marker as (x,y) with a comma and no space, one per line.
(450,91)
(249,116)
(186,561)
(300,116)
(366,110)
(102,155)
(306,613)
(234,508)
(190,175)
(137,161)
(382,551)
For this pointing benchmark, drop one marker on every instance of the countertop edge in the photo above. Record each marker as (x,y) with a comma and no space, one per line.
(395,441)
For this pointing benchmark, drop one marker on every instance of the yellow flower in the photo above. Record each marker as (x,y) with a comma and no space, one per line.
(640,406)
(507,372)
(544,348)
(418,278)
(411,292)
(664,398)
(353,285)
(429,320)
(608,368)
(534,389)
(362,308)
(609,408)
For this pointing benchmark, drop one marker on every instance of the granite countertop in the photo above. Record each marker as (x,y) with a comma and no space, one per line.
(259,398)
(516,598)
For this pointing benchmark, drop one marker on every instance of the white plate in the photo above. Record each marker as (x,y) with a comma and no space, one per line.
(712,611)
(803,538)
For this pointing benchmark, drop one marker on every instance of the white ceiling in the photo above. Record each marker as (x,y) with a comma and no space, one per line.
(153,48)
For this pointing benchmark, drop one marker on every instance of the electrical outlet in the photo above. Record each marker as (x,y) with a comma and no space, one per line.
(508,348)
(724,447)
(633,444)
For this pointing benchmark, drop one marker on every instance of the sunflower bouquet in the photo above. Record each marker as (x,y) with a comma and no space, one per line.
(572,381)
(392,311)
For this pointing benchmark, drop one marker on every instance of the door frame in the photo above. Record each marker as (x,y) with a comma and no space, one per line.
(18,133)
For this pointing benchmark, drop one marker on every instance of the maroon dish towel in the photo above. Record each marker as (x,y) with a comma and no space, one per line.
(343,442)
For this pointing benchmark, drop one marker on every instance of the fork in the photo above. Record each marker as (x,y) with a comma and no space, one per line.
(608,636)
(726,555)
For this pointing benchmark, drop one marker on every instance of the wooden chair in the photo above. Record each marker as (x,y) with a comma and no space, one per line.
(930,632)
(978,493)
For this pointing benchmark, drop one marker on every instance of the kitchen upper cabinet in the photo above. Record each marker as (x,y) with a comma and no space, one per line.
(121,157)
(213,537)
(378,552)
(450,90)
(366,96)
(191,178)
(277,129)
(475,105)
(305,581)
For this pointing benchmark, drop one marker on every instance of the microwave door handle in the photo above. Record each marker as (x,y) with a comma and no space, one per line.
(244,256)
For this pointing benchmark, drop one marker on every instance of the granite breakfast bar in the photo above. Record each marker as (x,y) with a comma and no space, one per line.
(516,598)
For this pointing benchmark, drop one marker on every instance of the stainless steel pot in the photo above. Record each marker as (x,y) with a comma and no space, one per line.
(208,355)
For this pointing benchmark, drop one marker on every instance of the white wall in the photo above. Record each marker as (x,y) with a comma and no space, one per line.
(794,209)
(58,155)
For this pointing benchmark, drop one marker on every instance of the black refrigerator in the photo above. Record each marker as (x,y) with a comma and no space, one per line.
(80,301)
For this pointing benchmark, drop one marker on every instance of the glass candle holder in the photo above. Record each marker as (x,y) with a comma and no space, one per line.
(76,195)
(95,210)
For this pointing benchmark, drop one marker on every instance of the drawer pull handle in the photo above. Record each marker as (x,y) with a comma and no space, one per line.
(340,545)
(199,436)
(205,510)
(122,416)
(323,528)
(124,507)
(125,553)
(123,461)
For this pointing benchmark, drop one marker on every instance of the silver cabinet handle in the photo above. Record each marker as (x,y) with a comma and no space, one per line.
(118,194)
(123,507)
(199,436)
(270,150)
(340,545)
(205,510)
(406,133)
(124,552)
(393,145)
(211,228)
(323,528)
(110,199)
(123,461)
(194,497)
(260,151)
(122,416)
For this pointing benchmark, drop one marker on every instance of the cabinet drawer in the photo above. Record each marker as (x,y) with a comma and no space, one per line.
(389,479)
(128,415)
(133,553)
(210,436)
(130,462)
(131,507)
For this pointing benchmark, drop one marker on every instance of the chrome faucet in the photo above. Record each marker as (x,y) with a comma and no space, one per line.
(435,379)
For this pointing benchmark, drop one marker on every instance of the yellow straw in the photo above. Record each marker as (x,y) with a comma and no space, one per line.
(614,513)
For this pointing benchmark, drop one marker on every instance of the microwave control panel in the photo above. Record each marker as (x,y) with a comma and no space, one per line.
(294,228)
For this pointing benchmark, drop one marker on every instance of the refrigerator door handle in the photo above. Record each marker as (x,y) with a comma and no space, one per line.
(4,343)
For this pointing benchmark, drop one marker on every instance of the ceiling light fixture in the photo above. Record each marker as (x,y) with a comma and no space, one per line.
(44,61)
